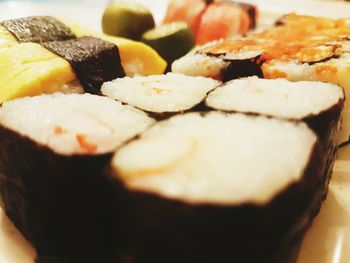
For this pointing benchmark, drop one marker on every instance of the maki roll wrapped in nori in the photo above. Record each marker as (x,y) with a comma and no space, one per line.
(223,60)
(54,149)
(161,95)
(318,104)
(299,48)
(219,187)
(326,62)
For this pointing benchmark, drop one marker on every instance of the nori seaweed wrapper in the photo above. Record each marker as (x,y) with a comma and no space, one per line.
(252,13)
(161,229)
(241,68)
(62,204)
(94,60)
(327,126)
(38,29)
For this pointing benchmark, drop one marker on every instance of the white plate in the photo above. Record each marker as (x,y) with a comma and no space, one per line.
(328,240)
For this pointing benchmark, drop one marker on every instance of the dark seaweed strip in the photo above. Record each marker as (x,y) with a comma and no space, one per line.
(334,54)
(239,66)
(280,21)
(242,68)
(94,61)
(38,29)
(252,13)
(61,204)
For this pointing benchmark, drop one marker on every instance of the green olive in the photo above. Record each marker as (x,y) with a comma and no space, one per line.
(124,18)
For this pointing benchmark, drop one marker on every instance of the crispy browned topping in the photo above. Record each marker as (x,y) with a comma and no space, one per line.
(303,38)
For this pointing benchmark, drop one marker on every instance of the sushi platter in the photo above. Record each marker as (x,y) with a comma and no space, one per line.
(105,159)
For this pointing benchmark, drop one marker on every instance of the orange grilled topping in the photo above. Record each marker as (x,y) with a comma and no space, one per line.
(230,46)
(304,38)
(326,69)
(310,54)
(275,74)
(88,147)
(281,50)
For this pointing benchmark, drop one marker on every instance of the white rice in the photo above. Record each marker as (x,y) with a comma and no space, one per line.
(74,124)
(278,97)
(333,71)
(160,93)
(195,64)
(73,87)
(216,158)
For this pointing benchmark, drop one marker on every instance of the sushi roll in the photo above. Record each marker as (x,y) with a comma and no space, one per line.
(330,64)
(307,101)
(288,40)
(300,48)
(197,64)
(223,60)
(54,149)
(161,95)
(33,61)
(219,187)
(318,104)
(318,23)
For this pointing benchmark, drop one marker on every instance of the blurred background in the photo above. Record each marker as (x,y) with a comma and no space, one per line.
(86,12)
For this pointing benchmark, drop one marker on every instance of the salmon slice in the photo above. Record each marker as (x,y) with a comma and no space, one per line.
(189,11)
(222,20)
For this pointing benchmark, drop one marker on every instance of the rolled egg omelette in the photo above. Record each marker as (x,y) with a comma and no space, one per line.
(41,54)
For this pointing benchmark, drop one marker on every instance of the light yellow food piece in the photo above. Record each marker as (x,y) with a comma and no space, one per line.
(28,69)
(137,58)
(6,38)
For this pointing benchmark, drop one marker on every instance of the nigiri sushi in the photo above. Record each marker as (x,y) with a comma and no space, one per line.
(222,20)
(189,11)
(33,61)
(212,20)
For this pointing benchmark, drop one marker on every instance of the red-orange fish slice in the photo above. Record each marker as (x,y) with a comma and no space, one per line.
(222,20)
(251,10)
(189,11)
